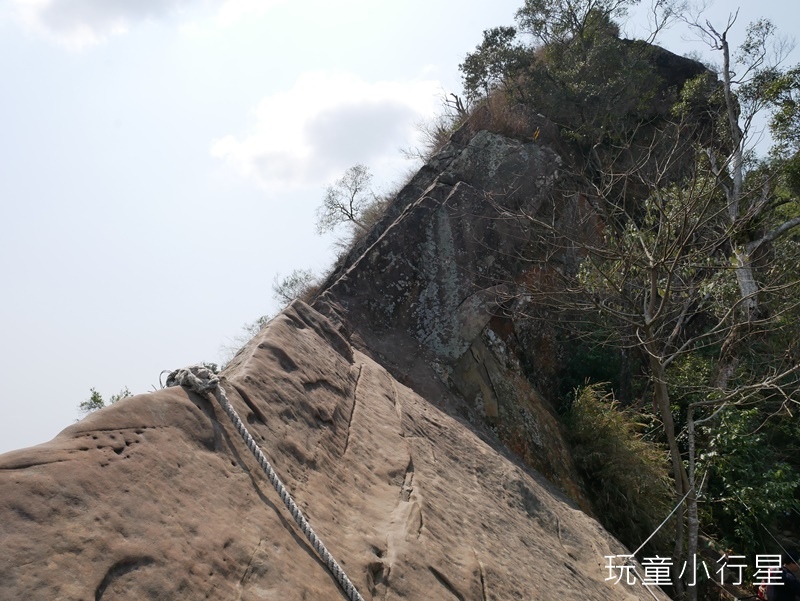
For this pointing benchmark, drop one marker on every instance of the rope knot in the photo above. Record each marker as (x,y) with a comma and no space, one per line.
(195,377)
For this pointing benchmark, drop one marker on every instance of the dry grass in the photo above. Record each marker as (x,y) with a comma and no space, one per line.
(501,115)
(626,476)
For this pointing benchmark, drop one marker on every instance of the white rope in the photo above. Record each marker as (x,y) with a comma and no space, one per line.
(661,525)
(201,380)
(760,523)
(632,556)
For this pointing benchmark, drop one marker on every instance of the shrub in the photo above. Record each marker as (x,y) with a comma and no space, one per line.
(95,400)
(301,283)
(626,476)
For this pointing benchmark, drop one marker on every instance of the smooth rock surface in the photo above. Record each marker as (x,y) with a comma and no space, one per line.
(157,497)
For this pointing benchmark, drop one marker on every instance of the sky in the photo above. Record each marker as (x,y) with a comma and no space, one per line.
(161,162)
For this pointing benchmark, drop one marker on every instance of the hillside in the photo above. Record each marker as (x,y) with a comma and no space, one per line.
(576,316)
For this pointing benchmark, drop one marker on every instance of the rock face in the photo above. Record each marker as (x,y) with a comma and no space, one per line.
(378,406)
(158,498)
(428,290)
(445,264)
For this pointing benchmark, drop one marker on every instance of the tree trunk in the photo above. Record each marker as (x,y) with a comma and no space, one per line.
(748,286)
(693,519)
(678,472)
(625,376)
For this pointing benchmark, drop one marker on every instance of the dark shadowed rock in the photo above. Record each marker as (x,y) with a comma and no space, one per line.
(426,296)
(450,258)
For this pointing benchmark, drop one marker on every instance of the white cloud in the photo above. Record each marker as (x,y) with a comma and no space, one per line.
(324,124)
(80,23)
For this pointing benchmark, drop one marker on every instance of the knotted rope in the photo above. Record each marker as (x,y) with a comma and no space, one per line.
(201,380)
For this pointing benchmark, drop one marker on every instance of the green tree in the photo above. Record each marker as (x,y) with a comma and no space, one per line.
(783,94)
(682,208)
(750,482)
(494,63)
(95,400)
(561,22)
(752,83)
(661,281)
(577,72)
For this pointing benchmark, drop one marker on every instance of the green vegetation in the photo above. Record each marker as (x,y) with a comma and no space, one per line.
(578,73)
(751,480)
(95,400)
(685,297)
(692,271)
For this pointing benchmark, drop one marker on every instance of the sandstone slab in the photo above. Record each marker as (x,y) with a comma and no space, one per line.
(157,497)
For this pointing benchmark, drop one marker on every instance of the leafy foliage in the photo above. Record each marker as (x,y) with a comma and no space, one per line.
(694,267)
(581,76)
(783,92)
(750,482)
(495,61)
(95,400)
(553,22)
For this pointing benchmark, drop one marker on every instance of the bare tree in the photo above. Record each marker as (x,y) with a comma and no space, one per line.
(295,285)
(435,133)
(346,200)
(749,77)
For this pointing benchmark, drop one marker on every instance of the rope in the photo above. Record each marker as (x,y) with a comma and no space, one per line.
(760,523)
(726,591)
(666,519)
(661,525)
(201,380)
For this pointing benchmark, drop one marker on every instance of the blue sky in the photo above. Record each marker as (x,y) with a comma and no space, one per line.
(161,162)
